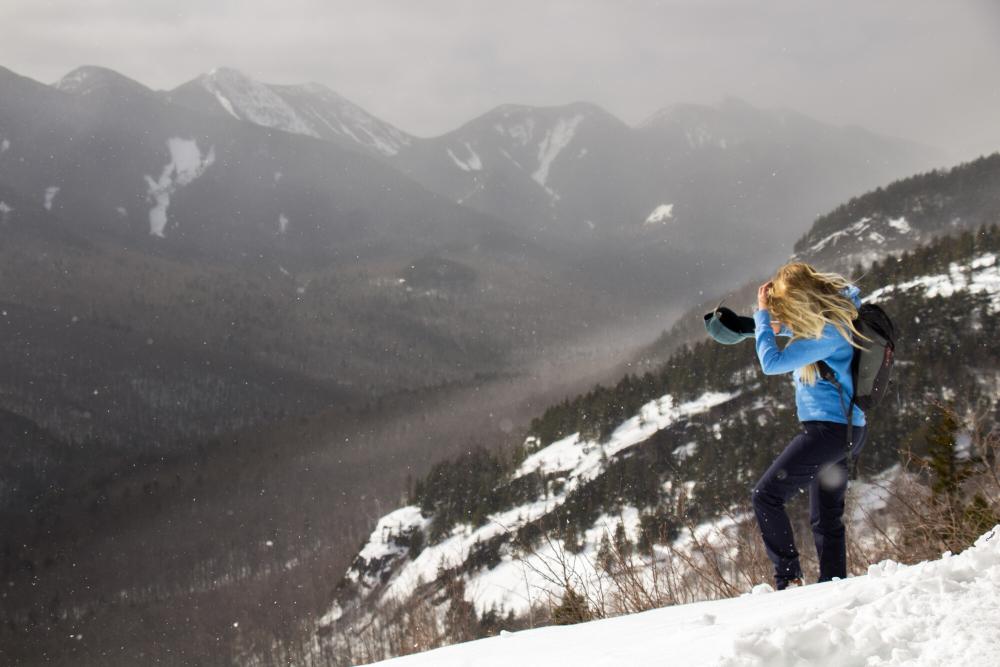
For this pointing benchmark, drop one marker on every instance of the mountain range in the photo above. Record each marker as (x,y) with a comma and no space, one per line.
(234,328)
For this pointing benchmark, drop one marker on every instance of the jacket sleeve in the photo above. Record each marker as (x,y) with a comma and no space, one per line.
(798,353)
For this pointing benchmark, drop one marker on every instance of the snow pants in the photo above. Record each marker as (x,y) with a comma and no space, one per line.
(816,459)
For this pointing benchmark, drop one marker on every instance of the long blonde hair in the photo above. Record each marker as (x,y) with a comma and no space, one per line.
(806,300)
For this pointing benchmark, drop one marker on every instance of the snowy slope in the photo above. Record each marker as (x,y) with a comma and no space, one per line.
(981,275)
(383,571)
(942,612)
(864,241)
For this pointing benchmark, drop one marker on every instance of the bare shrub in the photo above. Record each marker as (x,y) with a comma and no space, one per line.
(945,499)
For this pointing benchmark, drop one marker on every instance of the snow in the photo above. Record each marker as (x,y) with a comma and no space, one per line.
(380,544)
(121,210)
(347,119)
(256,102)
(225,103)
(282,223)
(186,164)
(864,230)
(5,211)
(553,144)
(900,225)
(309,109)
(514,582)
(50,195)
(583,460)
(854,229)
(980,276)
(941,612)
(4,145)
(661,214)
(686,451)
(472,163)
(519,132)
(511,584)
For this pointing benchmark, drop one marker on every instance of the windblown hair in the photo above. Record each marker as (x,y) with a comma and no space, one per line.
(806,300)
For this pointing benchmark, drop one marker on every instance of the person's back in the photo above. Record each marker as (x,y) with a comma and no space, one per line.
(817,310)
(820,400)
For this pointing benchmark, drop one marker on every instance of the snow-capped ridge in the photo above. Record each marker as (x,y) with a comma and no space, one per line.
(88,79)
(310,109)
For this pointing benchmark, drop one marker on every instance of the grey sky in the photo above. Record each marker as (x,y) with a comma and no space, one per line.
(922,69)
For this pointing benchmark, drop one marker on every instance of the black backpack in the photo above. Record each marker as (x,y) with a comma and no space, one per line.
(871,366)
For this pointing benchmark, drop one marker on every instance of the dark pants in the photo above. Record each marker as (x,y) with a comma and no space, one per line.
(816,459)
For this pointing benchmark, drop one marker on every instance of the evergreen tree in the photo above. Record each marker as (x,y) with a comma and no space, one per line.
(572,609)
(943,461)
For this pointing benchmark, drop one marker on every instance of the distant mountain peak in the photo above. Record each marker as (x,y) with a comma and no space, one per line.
(311,109)
(551,111)
(227,72)
(87,79)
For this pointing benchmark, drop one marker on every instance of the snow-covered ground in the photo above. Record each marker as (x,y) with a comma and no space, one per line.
(943,612)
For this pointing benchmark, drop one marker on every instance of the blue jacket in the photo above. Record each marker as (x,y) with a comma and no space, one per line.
(821,401)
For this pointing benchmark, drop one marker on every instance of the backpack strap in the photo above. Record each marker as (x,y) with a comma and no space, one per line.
(830,376)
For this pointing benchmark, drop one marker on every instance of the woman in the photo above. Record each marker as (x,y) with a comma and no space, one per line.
(816,309)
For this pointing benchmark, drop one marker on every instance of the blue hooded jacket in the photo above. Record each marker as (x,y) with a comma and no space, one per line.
(821,401)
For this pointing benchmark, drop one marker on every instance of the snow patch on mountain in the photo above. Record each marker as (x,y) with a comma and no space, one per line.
(383,543)
(686,451)
(5,211)
(855,229)
(50,195)
(282,223)
(661,214)
(979,276)
(186,164)
(582,460)
(4,145)
(862,242)
(224,102)
(250,100)
(317,104)
(900,225)
(553,144)
(471,163)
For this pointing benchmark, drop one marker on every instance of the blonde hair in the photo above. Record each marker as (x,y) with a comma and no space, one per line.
(806,300)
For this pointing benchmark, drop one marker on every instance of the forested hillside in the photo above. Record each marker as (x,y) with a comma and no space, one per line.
(669,449)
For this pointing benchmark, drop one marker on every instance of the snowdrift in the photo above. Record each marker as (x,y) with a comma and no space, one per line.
(943,612)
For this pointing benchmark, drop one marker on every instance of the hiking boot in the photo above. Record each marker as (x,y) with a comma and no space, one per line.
(782,584)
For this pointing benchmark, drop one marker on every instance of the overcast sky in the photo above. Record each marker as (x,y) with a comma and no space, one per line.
(927,70)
